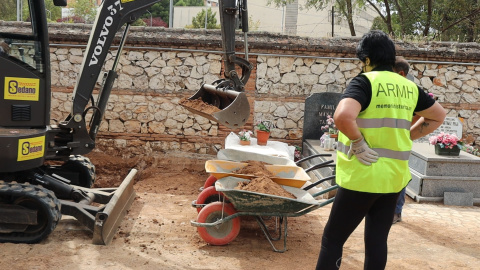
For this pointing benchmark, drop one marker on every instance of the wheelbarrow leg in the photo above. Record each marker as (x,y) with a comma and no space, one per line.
(269,237)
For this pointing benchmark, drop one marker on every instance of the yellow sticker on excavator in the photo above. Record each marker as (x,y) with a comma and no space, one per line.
(21,88)
(126,1)
(31,148)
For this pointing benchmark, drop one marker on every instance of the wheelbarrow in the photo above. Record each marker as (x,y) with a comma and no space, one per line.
(218,223)
(223,166)
(293,176)
(288,175)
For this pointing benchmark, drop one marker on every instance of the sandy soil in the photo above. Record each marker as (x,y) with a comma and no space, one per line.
(156,233)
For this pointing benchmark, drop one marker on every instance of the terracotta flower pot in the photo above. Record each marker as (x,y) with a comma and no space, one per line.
(262,137)
(244,142)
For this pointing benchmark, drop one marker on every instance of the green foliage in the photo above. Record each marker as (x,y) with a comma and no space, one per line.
(8,12)
(85,9)
(53,12)
(189,3)
(162,8)
(264,125)
(199,20)
(139,22)
(443,20)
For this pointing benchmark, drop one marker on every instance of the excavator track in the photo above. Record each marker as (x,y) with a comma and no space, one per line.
(36,209)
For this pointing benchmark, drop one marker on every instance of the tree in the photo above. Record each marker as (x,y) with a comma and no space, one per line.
(162,8)
(8,12)
(53,12)
(189,3)
(85,9)
(199,20)
(155,22)
(454,21)
(442,19)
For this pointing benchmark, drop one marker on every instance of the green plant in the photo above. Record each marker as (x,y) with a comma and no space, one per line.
(264,125)
(245,135)
(199,20)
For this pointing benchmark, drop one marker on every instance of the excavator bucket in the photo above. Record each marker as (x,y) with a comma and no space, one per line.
(104,220)
(227,107)
(108,220)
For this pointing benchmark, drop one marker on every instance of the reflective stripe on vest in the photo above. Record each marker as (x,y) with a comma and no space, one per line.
(385,122)
(385,125)
(400,155)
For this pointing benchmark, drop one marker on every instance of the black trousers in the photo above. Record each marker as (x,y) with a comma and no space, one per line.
(348,210)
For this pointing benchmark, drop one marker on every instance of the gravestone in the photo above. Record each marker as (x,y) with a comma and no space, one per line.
(317,107)
(451,125)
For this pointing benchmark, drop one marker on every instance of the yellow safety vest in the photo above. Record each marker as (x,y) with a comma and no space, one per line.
(385,124)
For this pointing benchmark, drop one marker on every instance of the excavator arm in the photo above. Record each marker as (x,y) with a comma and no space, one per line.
(78,136)
(228,94)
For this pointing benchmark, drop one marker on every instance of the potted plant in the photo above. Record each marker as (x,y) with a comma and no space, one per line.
(245,136)
(330,134)
(446,144)
(330,128)
(263,128)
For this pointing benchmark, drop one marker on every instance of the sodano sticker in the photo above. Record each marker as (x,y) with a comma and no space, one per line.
(22,88)
(31,148)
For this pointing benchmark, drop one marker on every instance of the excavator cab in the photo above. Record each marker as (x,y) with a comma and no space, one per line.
(225,101)
(43,174)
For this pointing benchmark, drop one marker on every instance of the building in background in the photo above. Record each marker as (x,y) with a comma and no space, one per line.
(288,20)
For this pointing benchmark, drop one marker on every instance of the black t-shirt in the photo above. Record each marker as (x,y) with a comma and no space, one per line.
(360,89)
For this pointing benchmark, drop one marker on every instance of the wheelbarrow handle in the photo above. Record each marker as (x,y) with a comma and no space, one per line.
(312,156)
(319,182)
(320,165)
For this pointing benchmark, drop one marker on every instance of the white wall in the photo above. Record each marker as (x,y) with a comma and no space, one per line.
(183,15)
(310,23)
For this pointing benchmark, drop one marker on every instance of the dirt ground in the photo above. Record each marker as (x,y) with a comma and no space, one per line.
(157,234)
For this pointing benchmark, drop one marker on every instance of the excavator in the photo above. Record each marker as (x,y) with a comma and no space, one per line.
(43,173)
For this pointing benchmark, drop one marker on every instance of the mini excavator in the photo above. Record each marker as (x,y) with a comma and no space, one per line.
(43,173)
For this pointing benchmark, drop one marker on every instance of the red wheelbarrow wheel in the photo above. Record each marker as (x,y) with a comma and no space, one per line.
(210,181)
(222,234)
(209,195)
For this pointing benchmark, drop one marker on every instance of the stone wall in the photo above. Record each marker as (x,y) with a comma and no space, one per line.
(160,66)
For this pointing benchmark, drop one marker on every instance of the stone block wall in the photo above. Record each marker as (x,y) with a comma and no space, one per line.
(160,66)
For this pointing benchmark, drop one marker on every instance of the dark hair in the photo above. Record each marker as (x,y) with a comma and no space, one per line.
(401,65)
(377,46)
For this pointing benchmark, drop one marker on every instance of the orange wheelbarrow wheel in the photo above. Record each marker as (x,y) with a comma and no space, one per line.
(210,182)
(209,195)
(222,234)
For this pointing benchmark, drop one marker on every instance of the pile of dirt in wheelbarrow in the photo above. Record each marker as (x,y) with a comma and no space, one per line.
(262,183)
(199,105)
(254,167)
